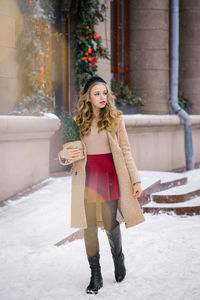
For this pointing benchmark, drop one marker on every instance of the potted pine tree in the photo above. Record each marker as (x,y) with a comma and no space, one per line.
(70,134)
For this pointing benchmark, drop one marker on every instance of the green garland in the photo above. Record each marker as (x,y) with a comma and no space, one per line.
(88,43)
(32,55)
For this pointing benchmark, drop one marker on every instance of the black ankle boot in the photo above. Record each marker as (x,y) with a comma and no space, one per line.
(115,241)
(96,280)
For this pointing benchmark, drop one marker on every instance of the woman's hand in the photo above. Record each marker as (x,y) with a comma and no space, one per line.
(137,190)
(69,153)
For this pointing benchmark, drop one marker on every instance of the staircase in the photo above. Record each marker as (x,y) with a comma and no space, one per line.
(171,192)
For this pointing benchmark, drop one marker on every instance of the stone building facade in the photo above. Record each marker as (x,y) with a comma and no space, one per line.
(147,51)
(149,54)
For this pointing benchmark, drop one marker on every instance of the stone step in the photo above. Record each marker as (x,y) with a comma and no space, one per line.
(178,193)
(189,207)
(158,185)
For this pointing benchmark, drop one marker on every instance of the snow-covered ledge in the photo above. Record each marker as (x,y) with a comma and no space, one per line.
(157,141)
(24,151)
(157,120)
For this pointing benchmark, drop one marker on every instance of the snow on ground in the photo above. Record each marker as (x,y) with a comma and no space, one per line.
(46,115)
(193,182)
(181,189)
(150,177)
(193,175)
(162,254)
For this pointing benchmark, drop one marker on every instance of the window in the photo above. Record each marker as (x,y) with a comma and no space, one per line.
(120,40)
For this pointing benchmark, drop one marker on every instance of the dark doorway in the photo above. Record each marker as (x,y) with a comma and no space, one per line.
(61,53)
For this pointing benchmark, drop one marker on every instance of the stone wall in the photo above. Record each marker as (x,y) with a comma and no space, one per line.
(189,51)
(157,141)
(10,30)
(24,151)
(149,50)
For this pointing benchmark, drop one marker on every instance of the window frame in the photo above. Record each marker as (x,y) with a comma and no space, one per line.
(115,40)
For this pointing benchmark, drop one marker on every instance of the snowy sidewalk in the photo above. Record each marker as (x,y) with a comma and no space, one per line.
(162,254)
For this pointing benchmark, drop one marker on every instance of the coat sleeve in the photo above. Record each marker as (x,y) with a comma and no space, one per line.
(126,150)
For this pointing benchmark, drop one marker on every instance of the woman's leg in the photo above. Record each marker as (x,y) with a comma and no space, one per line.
(92,249)
(109,214)
(112,226)
(91,232)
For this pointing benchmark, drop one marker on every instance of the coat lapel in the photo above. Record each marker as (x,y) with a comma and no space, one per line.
(112,140)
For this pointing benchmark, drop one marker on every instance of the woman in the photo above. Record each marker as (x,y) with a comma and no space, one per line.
(106,183)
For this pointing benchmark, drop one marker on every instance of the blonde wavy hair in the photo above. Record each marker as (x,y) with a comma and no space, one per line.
(108,116)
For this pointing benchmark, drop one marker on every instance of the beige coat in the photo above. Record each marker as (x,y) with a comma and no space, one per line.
(129,209)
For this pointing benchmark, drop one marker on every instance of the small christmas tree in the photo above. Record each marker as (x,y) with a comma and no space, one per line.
(70,134)
(69,129)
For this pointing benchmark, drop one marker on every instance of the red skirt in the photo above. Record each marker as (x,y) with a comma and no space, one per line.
(101,179)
